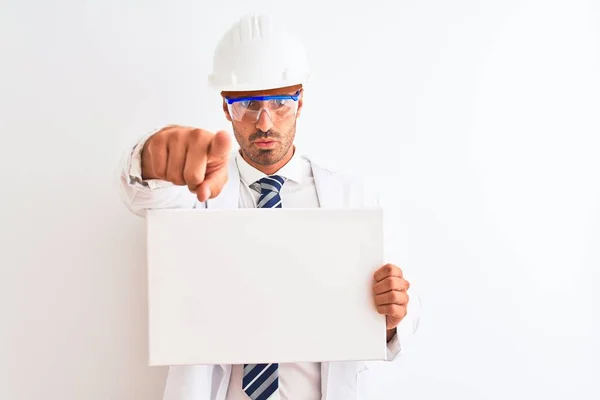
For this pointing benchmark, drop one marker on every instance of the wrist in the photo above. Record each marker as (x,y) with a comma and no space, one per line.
(390,334)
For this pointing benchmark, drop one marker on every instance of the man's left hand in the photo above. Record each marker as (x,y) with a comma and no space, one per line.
(391,298)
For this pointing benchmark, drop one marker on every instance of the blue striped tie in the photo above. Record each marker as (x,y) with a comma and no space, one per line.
(269,191)
(261,381)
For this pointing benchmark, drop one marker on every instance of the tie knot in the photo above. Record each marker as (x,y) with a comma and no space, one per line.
(271,183)
(269,192)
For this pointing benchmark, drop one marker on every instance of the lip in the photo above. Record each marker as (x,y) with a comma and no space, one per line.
(265,143)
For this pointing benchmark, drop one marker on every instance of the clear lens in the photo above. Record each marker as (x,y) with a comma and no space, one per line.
(249,109)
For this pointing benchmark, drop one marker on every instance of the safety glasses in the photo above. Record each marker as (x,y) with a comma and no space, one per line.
(277,107)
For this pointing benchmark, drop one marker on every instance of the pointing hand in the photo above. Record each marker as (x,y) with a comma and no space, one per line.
(190,157)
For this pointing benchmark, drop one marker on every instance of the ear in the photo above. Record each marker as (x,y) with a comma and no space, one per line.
(226,111)
(300,103)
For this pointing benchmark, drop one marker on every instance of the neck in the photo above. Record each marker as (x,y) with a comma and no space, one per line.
(273,168)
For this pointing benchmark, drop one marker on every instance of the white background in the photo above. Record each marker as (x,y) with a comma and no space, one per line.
(479,120)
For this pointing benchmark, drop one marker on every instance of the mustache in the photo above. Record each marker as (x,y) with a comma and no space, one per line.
(270,134)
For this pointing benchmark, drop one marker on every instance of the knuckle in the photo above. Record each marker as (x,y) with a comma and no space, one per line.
(155,150)
(195,136)
(157,141)
(177,137)
(398,285)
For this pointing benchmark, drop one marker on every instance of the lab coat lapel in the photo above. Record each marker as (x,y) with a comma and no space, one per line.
(330,189)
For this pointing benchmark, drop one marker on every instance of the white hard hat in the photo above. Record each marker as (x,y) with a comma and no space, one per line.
(256,53)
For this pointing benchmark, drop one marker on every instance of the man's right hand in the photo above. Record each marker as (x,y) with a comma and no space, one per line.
(188,157)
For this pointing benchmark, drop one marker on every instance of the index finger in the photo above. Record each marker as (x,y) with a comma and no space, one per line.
(196,158)
(217,168)
(220,147)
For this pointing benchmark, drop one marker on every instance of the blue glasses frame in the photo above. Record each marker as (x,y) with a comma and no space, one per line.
(294,97)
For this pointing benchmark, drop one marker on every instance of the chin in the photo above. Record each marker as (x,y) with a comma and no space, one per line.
(266,157)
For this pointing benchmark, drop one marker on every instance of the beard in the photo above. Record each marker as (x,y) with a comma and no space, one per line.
(271,156)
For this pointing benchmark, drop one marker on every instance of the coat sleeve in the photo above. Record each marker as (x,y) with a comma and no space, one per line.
(140,195)
(406,329)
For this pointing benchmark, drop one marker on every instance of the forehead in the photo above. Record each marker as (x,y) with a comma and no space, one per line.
(270,92)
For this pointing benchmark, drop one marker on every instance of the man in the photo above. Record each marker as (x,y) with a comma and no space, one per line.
(259,70)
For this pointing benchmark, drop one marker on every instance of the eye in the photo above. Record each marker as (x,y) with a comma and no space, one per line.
(251,104)
(279,103)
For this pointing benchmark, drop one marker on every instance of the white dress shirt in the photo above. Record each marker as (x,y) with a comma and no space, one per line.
(301,380)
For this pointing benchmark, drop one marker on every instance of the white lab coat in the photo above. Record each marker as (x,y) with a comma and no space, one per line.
(339,380)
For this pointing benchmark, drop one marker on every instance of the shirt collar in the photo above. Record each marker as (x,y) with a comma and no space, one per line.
(291,171)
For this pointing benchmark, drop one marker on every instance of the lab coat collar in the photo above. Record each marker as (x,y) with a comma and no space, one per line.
(329,188)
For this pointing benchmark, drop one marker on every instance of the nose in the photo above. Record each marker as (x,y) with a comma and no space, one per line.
(264,122)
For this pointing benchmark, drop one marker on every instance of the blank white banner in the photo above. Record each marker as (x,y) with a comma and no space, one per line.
(264,285)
